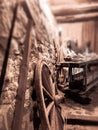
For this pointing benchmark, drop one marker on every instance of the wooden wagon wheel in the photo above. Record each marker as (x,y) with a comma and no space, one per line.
(47,99)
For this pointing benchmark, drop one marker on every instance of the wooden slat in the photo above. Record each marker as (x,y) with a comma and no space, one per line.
(62,10)
(19,106)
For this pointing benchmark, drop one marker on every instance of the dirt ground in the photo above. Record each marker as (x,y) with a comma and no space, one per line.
(70,107)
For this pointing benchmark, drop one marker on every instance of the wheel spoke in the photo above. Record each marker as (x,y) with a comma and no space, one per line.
(48,94)
(50,106)
(52,119)
(47,81)
(56,120)
(53,88)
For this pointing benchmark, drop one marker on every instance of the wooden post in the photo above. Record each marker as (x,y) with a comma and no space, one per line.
(20,99)
(4,66)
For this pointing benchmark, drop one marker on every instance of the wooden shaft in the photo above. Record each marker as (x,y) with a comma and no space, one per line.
(27,8)
(4,66)
(19,106)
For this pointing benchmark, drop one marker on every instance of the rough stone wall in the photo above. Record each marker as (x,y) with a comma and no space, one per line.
(42,48)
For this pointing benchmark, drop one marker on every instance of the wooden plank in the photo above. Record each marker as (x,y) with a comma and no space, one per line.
(77,18)
(4,66)
(63,10)
(82,120)
(20,98)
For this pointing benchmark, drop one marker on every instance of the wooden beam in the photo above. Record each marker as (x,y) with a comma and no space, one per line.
(62,10)
(77,18)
